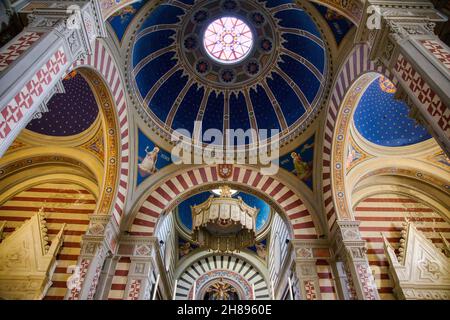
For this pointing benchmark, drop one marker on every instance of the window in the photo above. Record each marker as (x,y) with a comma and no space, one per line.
(228,40)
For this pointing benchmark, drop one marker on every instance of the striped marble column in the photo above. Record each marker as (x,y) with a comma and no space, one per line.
(306,269)
(354,273)
(95,247)
(143,269)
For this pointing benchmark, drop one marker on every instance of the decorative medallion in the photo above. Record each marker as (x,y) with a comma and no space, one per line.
(225,170)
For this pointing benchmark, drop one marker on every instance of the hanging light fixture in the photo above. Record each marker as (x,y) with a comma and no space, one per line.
(224,223)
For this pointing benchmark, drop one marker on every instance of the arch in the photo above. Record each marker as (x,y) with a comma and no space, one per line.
(414,178)
(200,263)
(166,194)
(103,62)
(355,72)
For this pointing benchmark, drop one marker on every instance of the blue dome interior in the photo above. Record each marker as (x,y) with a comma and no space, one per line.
(172,103)
(383,120)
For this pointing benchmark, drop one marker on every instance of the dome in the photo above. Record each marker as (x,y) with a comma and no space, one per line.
(383,120)
(274,80)
(70,113)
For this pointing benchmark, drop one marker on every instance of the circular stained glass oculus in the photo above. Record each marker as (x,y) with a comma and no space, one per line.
(228,40)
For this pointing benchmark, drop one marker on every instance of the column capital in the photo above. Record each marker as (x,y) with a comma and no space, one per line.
(102,229)
(309,250)
(350,248)
(143,252)
(78,24)
(305,256)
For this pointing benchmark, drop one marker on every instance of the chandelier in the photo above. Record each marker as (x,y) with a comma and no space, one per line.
(224,223)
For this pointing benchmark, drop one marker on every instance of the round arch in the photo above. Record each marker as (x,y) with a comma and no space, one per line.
(105,67)
(356,73)
(225,263)
(166,193)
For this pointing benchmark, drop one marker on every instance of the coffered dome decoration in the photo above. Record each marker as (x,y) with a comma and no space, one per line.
(267,69)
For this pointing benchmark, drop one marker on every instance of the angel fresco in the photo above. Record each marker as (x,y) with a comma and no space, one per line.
(302,168)
(261,250)
(352,156)
(147,166)
(185,249)
(123,13)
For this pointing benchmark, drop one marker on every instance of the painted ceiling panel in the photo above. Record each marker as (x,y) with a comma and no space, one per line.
(69,113)
(339,25)
(239,118)
(383,120)
(188,110)
(287,99)
(151,42)
(166,96)
(121,19)
(213,117)
(309,50)
(163,14)
(297,19)
(297,72)
(265,114)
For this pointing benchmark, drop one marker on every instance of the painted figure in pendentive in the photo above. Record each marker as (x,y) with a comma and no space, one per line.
(185,249)
(302,168)
(148,165)
(261,250)
(122,13)
(352,156)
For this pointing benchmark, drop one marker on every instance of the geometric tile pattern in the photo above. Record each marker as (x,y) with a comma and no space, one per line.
(422,91)
(438,51)
(310,290)
(166,193)
(94,283)
(366,281)
(135,288)
(357,64)
(38,85)
(102,61)
(75,292)
(11,53)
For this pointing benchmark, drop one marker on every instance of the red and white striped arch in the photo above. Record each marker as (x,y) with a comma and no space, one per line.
(163,197)
(103,62)
(357,64)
